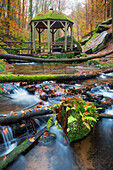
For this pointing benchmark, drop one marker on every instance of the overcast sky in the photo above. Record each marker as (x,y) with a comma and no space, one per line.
(71,3)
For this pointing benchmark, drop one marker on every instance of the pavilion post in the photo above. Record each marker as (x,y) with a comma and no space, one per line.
(31,41)
(33,35)
(48,25)
(39,40)
(65,45)
(53,39)
(72,38)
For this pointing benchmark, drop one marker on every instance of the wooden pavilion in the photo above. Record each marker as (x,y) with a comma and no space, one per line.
(51,21)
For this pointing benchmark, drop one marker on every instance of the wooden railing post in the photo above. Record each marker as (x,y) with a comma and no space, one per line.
(10,47)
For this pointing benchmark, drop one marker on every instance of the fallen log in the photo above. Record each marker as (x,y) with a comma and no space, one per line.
(41,60)
(109,116)
(14,117)
(22,148)
(36,78)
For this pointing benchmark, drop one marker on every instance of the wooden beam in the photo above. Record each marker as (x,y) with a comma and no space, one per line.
(36,24)
(39,40)
(31,40)
(33,35)
(52,35)
(63,30)
(62,24)
(52,24)
(42,30)
(72,38)
(48,26)
(45,24)
(65,45)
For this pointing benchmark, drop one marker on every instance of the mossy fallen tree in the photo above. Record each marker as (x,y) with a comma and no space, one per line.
(36,78)
(42,60)
(22,148)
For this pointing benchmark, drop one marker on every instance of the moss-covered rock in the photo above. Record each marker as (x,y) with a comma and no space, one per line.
(77,117)
(76,47)
(101,45)
(85,39)
(97,42)
(2,66)
(102,28)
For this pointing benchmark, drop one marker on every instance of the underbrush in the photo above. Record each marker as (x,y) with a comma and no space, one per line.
(100,63)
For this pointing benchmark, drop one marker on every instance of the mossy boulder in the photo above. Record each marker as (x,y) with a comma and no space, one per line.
(76,45)
(77,117)
(102,44)
(102,28)
(2,67)
(84,40)
(97,42)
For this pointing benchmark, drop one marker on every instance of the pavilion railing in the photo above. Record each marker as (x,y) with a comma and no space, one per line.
(17,47)
(54,47)
(27,47)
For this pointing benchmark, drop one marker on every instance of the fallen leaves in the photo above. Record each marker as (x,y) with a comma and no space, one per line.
(4,115)
(5,130)
(32,139)
(15,114)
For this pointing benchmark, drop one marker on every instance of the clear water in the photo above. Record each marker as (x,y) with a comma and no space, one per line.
(9,143)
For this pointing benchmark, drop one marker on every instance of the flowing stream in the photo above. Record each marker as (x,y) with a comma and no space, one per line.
(93,152)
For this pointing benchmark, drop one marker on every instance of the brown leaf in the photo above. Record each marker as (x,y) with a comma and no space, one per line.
(4,115)
(22,125)
(29,110)
(5,130)
(15,114)
(32,139)
(22,115)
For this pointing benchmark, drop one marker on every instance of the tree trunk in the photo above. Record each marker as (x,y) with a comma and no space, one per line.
(30,10)
(41,60)
(112,18)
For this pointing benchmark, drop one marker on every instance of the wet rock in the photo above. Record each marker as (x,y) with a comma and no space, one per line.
(46,138)
(44,97)
(9,88)
(84,40)
(31,89)
(102,28)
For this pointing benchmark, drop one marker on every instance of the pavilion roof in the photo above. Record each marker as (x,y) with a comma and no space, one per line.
(51,15)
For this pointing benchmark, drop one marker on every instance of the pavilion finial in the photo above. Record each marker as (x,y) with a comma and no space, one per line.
(51,9)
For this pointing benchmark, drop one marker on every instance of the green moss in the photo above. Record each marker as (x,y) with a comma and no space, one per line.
(75,42)
(101,45)
(92,38)
(58,56)
(98,63)
(14,154)
(2,66)
(23,78)
(82,116)
(58,15)
(94,62)
(85,40)
(2,51)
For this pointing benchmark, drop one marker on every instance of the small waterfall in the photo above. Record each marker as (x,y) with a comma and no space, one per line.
(22,96)
(37,122)
(9,143)
(7,135)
